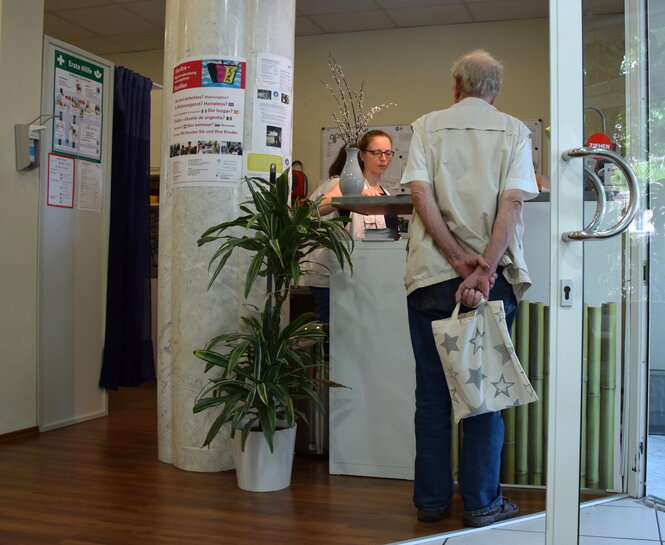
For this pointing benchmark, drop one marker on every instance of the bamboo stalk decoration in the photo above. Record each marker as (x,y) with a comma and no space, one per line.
(536,346)
(585,381)
(546,386)
(608,360)
(522,412)
(524,455)
(593,398)
(508,451)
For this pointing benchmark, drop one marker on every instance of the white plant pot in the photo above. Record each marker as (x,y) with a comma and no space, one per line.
(258,469)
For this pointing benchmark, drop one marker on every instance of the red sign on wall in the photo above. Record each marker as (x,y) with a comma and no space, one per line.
(599,140)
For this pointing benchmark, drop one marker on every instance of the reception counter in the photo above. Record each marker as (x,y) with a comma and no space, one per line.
(371,422)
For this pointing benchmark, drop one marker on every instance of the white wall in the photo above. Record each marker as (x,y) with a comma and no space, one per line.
(410,67)
(21,66)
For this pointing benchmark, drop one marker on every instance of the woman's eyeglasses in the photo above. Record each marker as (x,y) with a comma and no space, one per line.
(378,153)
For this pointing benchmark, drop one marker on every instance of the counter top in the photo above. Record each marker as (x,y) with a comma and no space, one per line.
(402,204)
(384,204)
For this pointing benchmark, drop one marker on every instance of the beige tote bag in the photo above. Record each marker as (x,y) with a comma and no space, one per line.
(479,361)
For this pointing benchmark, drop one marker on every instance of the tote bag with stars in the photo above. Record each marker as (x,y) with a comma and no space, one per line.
(479,361)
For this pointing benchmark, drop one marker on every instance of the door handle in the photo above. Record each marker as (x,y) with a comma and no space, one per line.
(590,232)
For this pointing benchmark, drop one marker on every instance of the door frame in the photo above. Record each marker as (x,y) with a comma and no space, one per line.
(566,263)
(635,406)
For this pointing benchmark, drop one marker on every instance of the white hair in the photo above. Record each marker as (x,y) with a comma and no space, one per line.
(478,74)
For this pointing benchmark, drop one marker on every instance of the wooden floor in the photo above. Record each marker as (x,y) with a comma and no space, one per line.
(100,482)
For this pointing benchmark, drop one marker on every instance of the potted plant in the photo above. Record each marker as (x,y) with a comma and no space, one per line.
(261,371)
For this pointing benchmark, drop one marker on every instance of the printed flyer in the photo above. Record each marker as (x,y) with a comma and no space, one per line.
(78,107)
(206,142)
(272,114)
(89,183)
(60,181)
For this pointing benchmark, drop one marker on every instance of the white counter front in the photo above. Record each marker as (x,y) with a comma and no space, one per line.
(371,422)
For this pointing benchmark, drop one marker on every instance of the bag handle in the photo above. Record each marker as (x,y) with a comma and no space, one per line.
(456,311)
(458,305)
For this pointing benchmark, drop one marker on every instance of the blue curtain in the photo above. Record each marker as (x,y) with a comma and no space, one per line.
(128,352)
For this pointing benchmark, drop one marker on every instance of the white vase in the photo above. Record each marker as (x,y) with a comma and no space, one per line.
(258,469)
(351,180)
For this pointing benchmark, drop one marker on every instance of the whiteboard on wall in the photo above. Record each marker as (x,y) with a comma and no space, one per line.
(401,137)
(77,89)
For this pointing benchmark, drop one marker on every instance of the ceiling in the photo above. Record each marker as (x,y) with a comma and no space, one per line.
(107,27)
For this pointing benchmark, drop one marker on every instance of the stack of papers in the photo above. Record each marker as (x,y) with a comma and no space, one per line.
(381,234)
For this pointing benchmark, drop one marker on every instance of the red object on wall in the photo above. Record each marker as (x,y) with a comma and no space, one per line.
(298,185)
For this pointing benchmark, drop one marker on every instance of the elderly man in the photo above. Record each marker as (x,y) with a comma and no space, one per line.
(469,169)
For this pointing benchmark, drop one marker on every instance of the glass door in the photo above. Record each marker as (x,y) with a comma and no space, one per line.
(598,288)
(586,351)
(655,484)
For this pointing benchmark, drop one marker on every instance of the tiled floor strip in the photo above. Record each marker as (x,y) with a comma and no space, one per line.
(617,522)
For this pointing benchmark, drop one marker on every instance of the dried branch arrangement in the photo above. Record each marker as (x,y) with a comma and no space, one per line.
(349,117)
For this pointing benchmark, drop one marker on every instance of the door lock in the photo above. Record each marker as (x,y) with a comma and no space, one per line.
(566,293)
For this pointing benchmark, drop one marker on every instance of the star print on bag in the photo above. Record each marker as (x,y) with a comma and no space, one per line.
(453,397)
(505,351)
(481,368)
(480,409)
(476,377)
(451,371)
(477,341)
(502,386)
(450,344)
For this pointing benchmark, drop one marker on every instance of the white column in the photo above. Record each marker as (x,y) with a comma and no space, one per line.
(189,314)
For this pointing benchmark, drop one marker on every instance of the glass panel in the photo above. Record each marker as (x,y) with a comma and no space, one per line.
(615,290)
(655,472)
(604,261)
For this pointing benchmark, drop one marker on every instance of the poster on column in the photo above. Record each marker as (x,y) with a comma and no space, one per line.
(77,107)
(206,141)
(272,113)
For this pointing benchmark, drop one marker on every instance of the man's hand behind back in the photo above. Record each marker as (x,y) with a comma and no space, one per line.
(476,286)
(466,264)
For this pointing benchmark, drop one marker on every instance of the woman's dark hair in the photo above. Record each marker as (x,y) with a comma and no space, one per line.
(366,139)
(338,164)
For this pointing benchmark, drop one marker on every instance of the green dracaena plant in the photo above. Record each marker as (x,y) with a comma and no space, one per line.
(263,371)
(261,375)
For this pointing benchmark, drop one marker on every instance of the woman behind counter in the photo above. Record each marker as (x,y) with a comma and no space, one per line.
(375,154)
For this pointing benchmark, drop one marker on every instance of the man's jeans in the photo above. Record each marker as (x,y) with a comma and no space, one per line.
(483,434)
